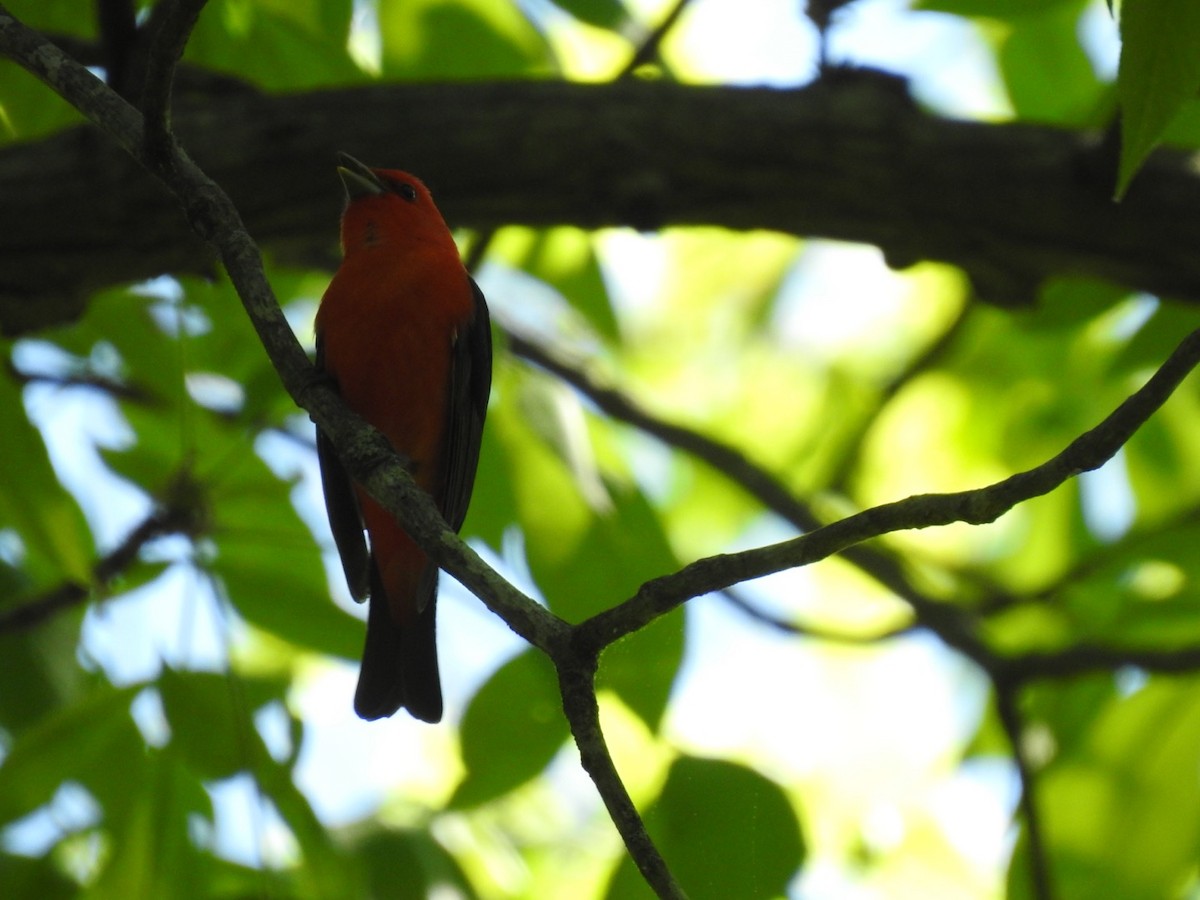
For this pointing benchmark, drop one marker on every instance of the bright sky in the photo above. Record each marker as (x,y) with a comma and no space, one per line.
(912,697)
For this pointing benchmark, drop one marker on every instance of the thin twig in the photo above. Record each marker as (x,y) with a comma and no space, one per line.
(996,600)
(113,387)
(1010,719)
(920,364)
(647,50)
(576,679)
(955,626)
(116,22)
(173,28)
(785,626)
(1085,659)
(161,522)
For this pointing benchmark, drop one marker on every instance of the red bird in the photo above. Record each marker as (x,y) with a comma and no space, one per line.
(403,333)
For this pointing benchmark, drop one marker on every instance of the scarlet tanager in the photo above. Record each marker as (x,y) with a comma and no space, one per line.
(403,334)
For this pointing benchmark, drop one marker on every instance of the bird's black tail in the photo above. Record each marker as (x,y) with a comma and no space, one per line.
(399,663)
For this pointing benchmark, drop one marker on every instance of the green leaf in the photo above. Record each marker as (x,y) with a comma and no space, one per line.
(326,17)
(610,14)
(327,869)
(230,348)
(129,322)
(1048,74)
(271,565)
(28,109)
(1160,460)
(57,542)
(724,831)
(428,868)
(595,544)
(1130,785)
(211,725)
(642,667)
(1159,72)
(1143,591)
(153,855)
(583,554)
(277,45)
(43,662)
(565,259)
(213,731)
(991,9)
(1158,337)
(26,877)
(493,506)
(511,730)
(455,39)
(1069,709)
(93,741)
(1068,302)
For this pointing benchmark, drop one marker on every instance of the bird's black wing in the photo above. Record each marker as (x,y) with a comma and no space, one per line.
(466,408)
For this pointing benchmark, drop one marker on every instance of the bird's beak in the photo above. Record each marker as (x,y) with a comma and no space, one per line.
(357,178)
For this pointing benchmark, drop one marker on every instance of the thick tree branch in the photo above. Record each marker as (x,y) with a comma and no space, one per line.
(850,158)
(644,53)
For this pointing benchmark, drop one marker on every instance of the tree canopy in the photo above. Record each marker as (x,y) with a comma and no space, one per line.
(833,529)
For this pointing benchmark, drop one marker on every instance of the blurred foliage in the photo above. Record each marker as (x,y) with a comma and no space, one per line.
(854,385)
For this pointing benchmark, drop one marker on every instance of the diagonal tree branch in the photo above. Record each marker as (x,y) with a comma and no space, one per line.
(173,28)
(167,519)
(577,684)
(737,601)
(647,50)
(1087,452)
(367,454)
(952,624)
(759,483)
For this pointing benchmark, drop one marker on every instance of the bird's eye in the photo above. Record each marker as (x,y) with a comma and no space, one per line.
(407,191)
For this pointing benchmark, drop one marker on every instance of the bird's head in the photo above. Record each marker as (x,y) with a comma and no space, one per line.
(387,208)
